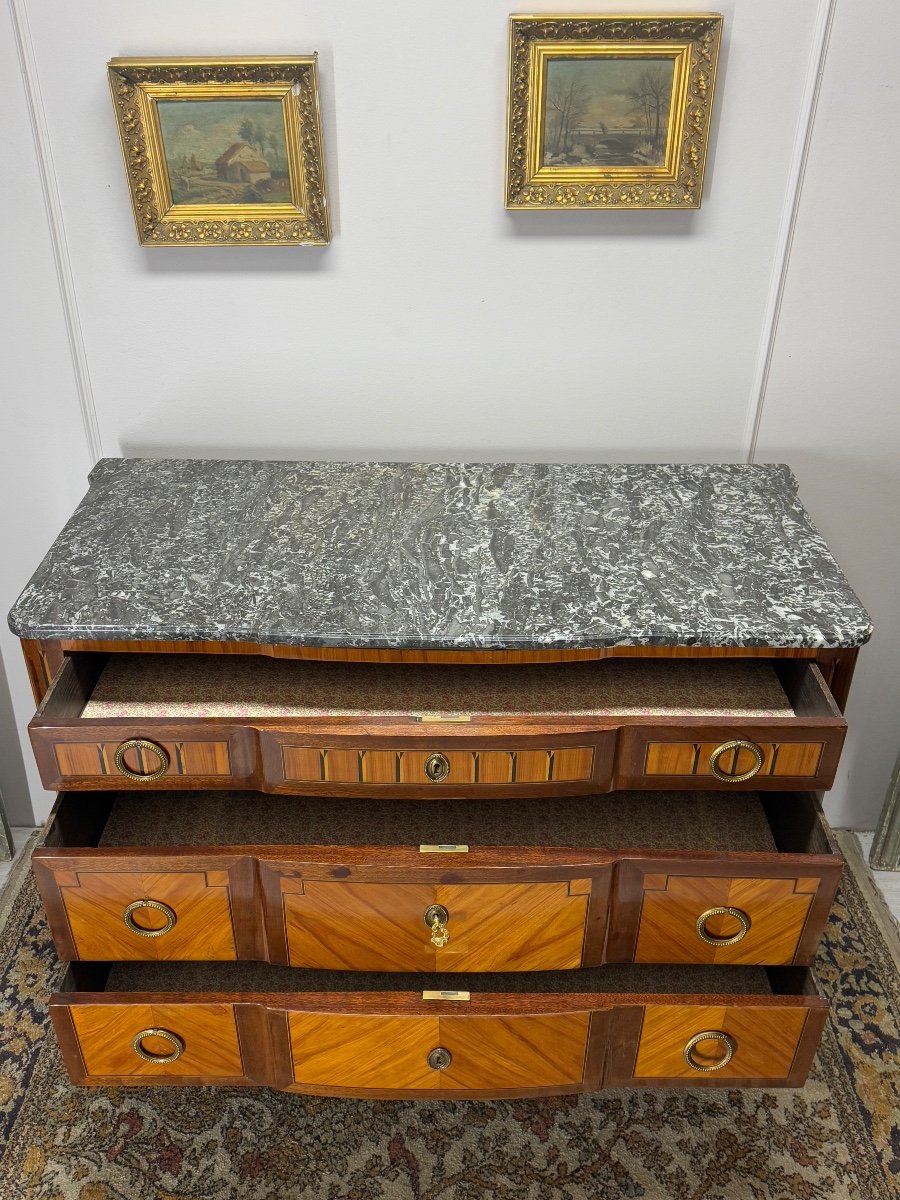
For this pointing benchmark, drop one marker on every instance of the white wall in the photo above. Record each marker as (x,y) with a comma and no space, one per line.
(436,325)
(831,406)
(43,452)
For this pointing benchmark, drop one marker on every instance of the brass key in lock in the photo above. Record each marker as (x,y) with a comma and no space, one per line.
(436,918)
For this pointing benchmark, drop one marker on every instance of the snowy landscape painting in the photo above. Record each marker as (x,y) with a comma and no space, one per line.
(229,151)
(607,111)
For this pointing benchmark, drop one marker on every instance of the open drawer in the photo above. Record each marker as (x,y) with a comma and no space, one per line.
(361,729)
(334,1033)
(699,877)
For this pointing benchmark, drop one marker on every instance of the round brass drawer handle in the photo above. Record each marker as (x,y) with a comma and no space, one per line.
(439,1059)
(167,1036)
(135,905)
(437,767)
(436,918)
(715,939)
(141,744)
(736,744)
(710,1035)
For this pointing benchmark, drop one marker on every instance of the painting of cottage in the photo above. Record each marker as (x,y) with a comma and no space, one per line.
(225,151)
(242,164)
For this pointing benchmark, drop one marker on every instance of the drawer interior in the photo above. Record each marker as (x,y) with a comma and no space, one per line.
(698,821)
(185,686)
(259,978)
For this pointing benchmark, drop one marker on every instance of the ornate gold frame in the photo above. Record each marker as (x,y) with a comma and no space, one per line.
(693,42)
(137,84)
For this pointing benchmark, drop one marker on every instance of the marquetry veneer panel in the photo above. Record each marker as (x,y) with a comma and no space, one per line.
(95,902)
(307,764)
(765,1040)
(380,926)
(90,760)
(105,1034)
(486,1053)
(781,760)
(776,909)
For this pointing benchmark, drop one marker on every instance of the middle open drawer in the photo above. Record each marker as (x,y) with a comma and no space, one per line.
(685,877)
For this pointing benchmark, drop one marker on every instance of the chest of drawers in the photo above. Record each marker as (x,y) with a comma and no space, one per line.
(424,780)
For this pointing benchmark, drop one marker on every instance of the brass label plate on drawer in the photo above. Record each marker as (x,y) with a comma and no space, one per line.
(446,995)
(448,719)
(445,848)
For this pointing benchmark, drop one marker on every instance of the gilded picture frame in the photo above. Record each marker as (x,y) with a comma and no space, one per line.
(223,151)
(609,112)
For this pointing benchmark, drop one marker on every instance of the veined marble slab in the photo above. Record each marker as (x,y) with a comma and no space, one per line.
(432,555)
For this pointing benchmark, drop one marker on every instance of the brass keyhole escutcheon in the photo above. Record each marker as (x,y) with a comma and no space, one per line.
(159,753)
(737,744)
(719,939)
(436,918)
(439,1059)
(165,1035)
(156,906)
(437,767)
(699,1062)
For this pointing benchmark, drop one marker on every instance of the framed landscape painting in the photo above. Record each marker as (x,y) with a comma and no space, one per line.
(222,152)
(609,112)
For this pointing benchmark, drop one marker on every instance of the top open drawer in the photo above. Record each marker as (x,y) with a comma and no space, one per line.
(181,720)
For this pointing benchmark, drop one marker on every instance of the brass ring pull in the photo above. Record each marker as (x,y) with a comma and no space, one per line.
(439,1059)
(710,1035)
(714,939)
(172,1038)
(437,768)
(135,905)
(436,918)
(736,744)
(141,744)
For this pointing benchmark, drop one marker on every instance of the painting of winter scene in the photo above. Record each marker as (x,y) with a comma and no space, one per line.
(607,112)
(225,151)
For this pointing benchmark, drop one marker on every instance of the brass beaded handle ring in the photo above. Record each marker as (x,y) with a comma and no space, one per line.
(158,906)
(710,1035)
(439,1059)
(141,744)
(736,744)
(437,767)
(713,939)
(167,1036)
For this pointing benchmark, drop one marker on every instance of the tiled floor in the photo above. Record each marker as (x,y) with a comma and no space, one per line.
(887,882)
(21,834)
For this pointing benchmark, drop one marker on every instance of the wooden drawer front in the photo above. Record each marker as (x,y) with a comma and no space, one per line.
(490,1053)
(93,760)
(381,926)
(309,764)
(775,912)
(781,760)
(96,902)
(765,1040)
(105,1034)
(329,1032)
(613,729)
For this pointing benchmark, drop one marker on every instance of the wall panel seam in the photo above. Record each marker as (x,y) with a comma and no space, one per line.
(785,240)
(56,227)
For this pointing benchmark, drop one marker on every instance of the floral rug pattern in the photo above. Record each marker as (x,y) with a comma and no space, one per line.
(836,1138)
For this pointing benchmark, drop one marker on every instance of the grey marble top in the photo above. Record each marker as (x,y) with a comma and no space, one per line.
(442,555)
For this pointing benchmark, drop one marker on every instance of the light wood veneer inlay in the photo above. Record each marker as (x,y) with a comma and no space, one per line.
(380,926)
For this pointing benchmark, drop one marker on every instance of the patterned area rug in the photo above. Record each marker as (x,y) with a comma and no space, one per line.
(836,1138)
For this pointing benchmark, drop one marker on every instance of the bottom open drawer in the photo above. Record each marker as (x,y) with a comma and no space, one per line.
(382,1036)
